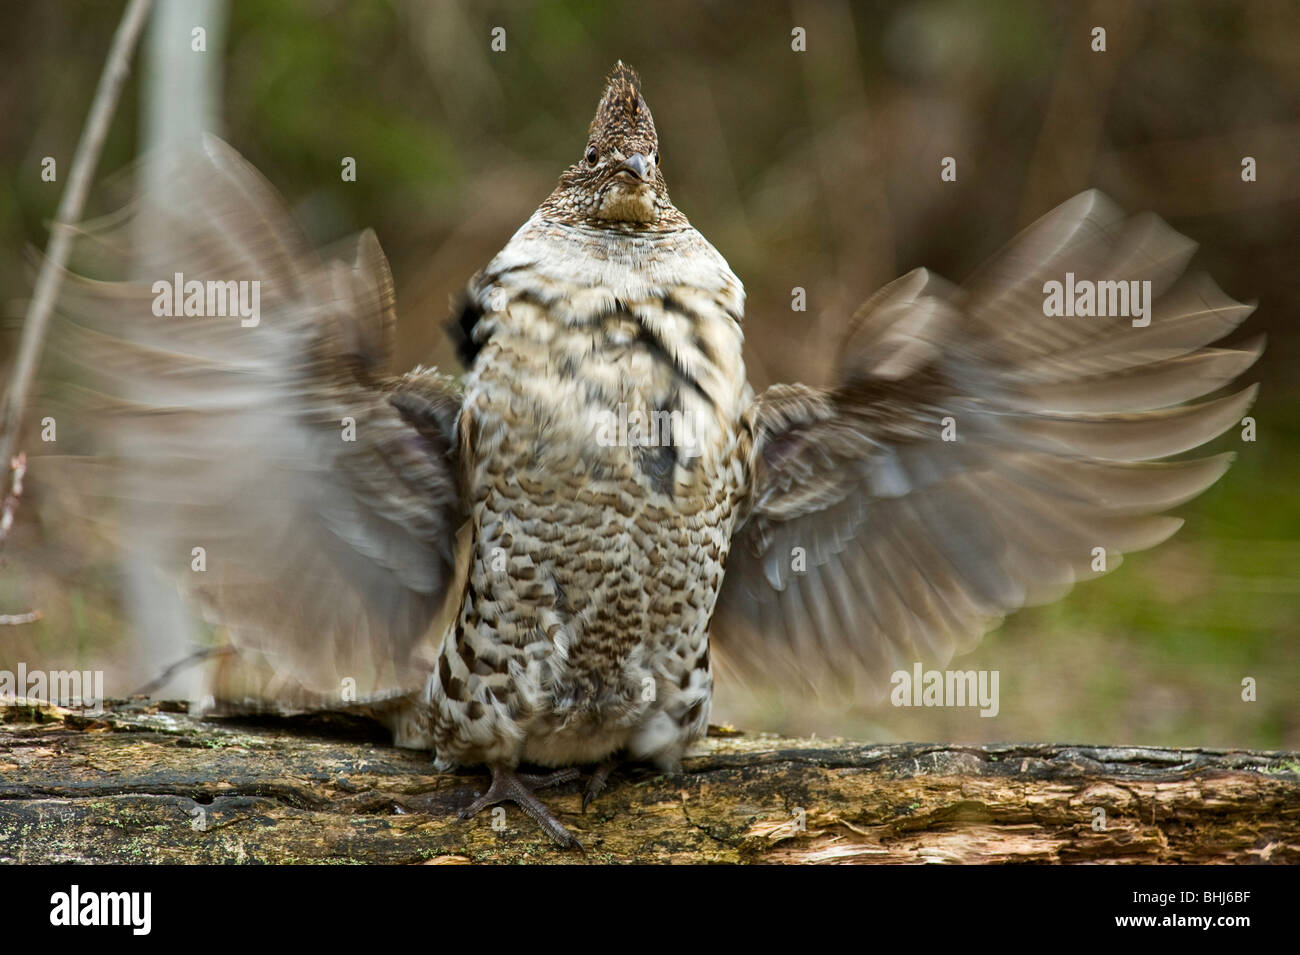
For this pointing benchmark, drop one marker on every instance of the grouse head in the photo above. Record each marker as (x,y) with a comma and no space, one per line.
(617,180)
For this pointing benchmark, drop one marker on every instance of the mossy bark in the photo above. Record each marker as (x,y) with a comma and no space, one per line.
(145,782)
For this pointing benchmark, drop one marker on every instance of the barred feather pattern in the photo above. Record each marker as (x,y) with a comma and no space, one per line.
(596,560)
(551,560)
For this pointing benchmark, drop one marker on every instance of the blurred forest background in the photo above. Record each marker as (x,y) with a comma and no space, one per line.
(817,169)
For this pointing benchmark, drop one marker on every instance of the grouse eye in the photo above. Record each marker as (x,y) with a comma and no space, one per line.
(592,155)
(655,156)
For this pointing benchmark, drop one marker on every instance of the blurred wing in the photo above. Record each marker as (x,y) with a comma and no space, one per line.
(975,454)
(322,494)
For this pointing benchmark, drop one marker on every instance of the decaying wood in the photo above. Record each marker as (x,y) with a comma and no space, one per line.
(145,782)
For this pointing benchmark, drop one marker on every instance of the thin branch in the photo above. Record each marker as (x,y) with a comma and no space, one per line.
(17,619)
(7,510)
(71,203)
(196,657)
(18,467)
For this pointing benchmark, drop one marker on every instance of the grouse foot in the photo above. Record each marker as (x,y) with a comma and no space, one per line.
(596,785)
(510,786)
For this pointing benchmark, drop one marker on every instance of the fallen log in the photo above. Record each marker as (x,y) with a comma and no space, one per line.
(146,782)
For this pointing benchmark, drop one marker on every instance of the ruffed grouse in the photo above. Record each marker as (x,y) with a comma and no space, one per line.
(528,566)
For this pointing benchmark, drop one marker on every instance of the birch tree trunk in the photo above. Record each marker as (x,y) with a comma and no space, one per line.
(180,100)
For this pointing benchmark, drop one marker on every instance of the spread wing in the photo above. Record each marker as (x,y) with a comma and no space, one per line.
(323,494)
(975,453)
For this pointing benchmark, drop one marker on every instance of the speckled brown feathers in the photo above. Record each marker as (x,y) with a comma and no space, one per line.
(618,182)
(623,113)
(632,519)
(596,559)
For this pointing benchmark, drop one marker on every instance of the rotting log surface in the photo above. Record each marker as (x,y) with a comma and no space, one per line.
(144,782)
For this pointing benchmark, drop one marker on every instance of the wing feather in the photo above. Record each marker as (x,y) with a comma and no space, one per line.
(873,541)
(323,491)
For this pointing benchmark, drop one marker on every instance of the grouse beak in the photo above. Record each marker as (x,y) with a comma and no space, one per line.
(638,165)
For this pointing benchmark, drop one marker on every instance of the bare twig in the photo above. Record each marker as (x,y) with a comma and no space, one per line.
(198,656)
(18,468)
(71,203)
(16,619)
